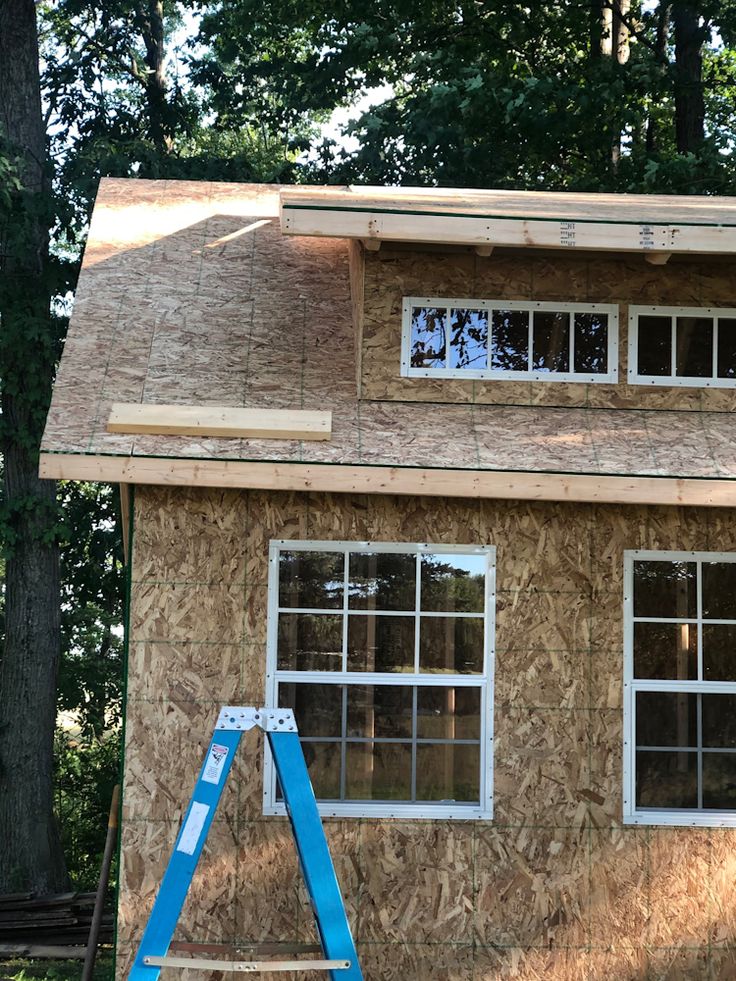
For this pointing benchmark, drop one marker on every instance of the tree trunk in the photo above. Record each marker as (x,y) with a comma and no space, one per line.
(31,857)
(689,103)
(660,50)
(614,44)
(155,87)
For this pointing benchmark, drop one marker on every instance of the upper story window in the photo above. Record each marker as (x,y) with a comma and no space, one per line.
(504,339)
(690,346)
(385,654)
(680,688)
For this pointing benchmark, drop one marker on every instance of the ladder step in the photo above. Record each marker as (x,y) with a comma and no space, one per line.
(263,967)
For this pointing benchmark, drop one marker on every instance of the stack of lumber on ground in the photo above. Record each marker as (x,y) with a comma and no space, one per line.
(50,920)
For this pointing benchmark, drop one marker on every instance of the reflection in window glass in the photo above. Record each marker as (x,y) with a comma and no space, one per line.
(719,652)
(719,781)
(382,581)
(666,650)
(666,780)
(377,643)
(591,343)
(452,645)
(654,346)
(428,337)
(448,772)
(551,341)
(510,349)
(468,338)
(448,713)
(311,580)
(317,708)
(378,771)
(726,347)
(719,721)
(694,340)
(323,764)
(380,711)
(665,589)
(719,590)
(310,642)
(453,583)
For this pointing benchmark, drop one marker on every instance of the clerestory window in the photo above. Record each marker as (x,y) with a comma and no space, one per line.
(504,339)
(688,346)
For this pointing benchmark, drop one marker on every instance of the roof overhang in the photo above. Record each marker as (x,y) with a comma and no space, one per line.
(499,484)
(654,225)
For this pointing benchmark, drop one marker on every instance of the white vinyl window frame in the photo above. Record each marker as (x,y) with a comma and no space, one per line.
(673,380)
(482,681)
(680,817)
(527,306)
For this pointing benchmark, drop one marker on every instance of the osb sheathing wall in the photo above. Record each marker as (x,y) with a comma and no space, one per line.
(554,887)
(396,272)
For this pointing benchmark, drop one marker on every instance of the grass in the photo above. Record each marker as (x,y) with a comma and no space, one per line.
(21,969)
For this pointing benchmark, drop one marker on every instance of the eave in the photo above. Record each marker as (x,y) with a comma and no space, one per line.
(655,226)
(508,485)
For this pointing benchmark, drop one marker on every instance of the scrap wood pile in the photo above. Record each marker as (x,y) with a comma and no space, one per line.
(50,920)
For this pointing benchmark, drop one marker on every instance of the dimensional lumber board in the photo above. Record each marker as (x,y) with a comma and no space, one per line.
(391,480)
(210,420)
(632,223)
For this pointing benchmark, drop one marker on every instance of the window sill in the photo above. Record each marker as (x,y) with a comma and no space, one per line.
(362,809)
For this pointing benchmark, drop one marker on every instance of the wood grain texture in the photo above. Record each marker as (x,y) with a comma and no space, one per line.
(213,420)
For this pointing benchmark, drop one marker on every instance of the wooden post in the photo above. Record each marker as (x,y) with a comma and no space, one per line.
(94,930)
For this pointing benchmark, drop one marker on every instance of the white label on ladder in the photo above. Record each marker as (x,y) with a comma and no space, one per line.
(193,828)
(215,763)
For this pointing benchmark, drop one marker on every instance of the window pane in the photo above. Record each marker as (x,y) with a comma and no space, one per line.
(310,642)
(666,779)
(468,338)
(378,771)
(666,719)
(666,650)
(451,644)
(311,579)
(591,343)
(382,581)
(719,652)
(323,763)
(551,341)
(454,583)
(726,347)
(719,590)
(654,346)
(448,772)
(694,357)
(665,589)
(380,711)
(428,337)
(510,347)
(377,643)
(719,780)
(317,708)
(719,721)
(448,713)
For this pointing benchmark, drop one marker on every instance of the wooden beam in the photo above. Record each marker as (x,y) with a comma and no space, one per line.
(483,250)
(657,258)
(371,244)
(691,492)
(207,420)
(125,518)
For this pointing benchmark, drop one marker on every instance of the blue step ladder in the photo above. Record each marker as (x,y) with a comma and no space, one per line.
(340,959)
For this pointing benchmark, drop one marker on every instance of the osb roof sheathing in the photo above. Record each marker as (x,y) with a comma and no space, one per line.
(190,294)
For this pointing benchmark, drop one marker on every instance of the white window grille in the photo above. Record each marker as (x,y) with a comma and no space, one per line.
(693,347)
(506,339)
(385,653)
(680,688)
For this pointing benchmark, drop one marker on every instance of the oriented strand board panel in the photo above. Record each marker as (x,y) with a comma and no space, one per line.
(555,887)
(396,272)
(190,295)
